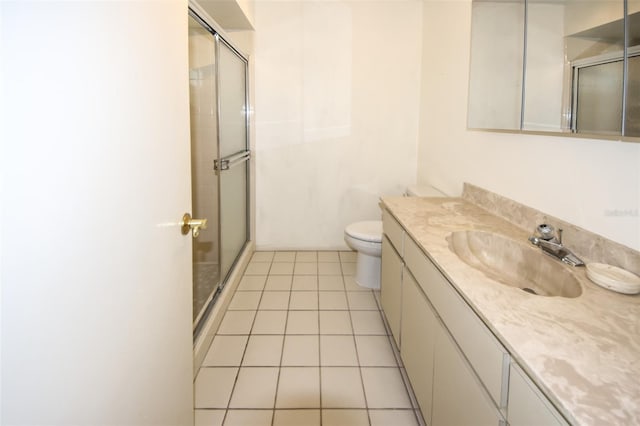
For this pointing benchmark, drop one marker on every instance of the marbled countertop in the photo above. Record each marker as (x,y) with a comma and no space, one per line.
(583,352)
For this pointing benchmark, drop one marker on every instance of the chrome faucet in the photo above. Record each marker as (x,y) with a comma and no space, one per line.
(545,237)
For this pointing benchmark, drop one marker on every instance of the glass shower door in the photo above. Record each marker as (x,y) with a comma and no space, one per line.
(233,166)
(204,150)
(219,160)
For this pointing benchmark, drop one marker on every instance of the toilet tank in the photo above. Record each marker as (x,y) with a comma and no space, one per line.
(423,191)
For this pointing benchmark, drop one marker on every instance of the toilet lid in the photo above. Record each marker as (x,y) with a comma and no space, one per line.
(370,230)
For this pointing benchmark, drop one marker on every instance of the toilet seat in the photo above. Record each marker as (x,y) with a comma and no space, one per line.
(369,230)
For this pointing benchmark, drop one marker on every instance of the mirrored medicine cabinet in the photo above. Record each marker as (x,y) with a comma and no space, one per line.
(560,66)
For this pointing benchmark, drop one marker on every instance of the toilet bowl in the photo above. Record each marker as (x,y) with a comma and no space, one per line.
(366,238)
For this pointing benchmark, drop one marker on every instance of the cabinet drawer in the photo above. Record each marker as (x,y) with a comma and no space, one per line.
(394,231)
(527,405)
(483,351)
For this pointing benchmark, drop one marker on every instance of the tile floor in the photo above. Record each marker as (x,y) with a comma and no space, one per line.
(302,344)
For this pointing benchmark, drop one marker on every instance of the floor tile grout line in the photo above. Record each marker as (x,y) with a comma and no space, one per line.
(319,350)
(235,382)
(350,309)
(284,339)
(378,367)
(355,345)
(244,353)
(320,368)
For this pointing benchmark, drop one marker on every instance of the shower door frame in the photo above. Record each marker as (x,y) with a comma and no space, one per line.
(199,15)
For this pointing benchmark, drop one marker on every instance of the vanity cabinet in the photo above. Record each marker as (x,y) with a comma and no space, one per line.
(427,319)
(483,351)
(444,348)
(527,405)
(459,371)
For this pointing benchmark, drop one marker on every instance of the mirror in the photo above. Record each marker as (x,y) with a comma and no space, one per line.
(497,55)
(555,66)
(596,57)
(632,105)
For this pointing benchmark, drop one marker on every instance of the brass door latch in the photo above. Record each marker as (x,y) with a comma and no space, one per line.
(194,225)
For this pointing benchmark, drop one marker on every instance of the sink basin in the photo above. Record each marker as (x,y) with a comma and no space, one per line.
(513,263)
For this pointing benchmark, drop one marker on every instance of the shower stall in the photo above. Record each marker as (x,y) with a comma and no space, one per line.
(219,160)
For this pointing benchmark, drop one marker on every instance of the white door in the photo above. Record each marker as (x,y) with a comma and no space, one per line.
(96,277)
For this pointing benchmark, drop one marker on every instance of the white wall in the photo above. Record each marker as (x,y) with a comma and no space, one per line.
(592,183)
(337,101)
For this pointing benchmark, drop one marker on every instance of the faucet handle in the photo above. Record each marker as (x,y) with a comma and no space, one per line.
(545,231)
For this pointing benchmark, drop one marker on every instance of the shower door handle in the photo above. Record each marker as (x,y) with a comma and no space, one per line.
(194,225)
(230,161)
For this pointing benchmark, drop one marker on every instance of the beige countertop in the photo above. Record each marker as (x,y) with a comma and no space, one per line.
(583,352)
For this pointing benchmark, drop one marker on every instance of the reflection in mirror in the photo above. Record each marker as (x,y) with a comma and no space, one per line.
(572,77)
(632,106)
(574,59)
(544,105)
(597,102)
(495,78)
(595,51)
(632,123)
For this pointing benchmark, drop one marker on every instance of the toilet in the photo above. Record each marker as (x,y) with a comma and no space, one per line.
(366,238)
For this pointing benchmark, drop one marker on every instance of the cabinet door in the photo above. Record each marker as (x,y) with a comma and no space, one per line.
(418,341)
(394,231)
(483,351)
(390,287)
(458,397)
(527,405)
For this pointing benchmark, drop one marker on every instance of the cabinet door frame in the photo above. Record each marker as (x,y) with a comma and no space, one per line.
(392,268)
(418,325)
(528,406)
(450,365)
